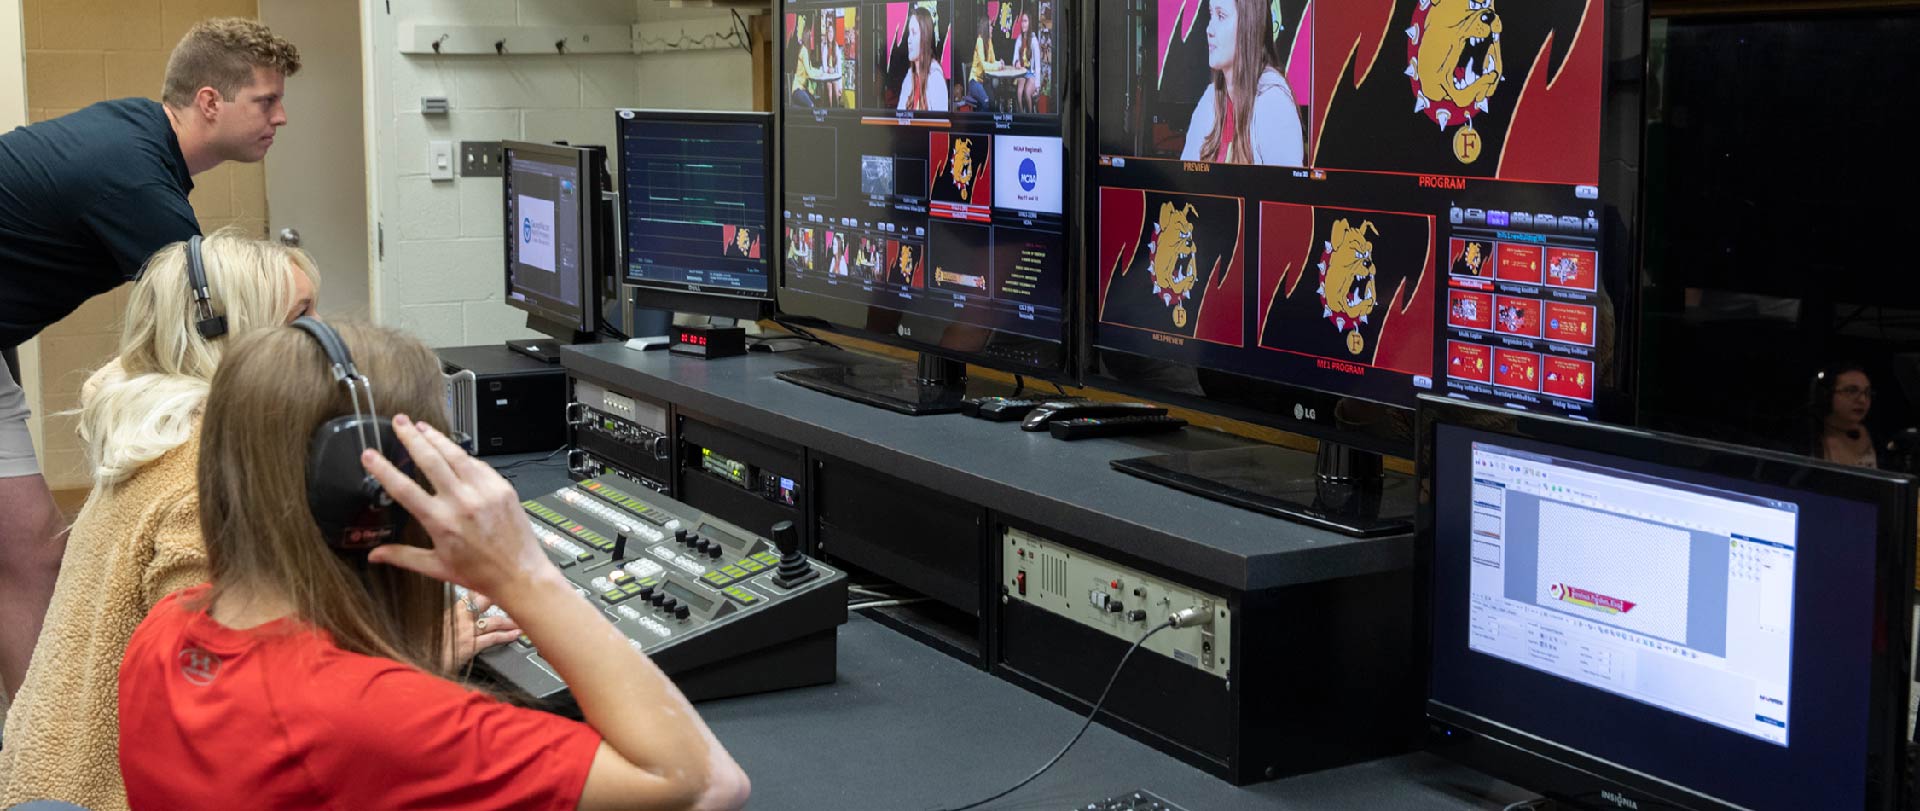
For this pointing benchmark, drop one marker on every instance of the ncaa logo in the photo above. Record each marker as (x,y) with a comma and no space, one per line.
(526,229)
(1029,174)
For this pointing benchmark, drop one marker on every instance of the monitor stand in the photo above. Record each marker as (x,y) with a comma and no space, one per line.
(547,350)
(935,385)
(1341,488)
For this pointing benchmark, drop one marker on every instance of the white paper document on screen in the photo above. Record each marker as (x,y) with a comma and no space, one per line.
(1613,570)
(536,232)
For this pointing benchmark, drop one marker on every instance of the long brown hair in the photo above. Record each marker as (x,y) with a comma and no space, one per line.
(923,65)
(271,392)
(1252,55)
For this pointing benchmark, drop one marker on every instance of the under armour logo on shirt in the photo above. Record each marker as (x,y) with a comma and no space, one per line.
(200,667)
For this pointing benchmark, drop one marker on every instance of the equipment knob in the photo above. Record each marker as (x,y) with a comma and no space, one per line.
(680,536)
(701,545)
(670,605)
(620,542)
(714,551)
(646,593)
(682,613)
(658,598)
(786,538)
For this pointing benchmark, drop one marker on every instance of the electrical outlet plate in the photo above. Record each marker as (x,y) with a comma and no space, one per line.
(481,159)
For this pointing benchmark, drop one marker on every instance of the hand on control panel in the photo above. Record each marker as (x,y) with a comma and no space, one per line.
(477,625)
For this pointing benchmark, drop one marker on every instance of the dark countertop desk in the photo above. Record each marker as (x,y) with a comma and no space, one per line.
(906,728)
(1067,486)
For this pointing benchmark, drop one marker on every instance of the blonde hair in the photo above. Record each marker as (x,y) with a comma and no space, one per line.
(142,404)
(274,390)
(221,53)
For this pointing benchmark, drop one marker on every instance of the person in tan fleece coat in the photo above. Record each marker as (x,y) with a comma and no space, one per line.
(137,538)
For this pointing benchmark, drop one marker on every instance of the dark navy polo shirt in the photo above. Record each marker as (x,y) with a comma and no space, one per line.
(84,200)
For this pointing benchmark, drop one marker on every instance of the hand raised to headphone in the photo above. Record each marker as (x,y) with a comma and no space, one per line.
(481,536)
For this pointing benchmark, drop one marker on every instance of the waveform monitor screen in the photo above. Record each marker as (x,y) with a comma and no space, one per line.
(1375,199)
(926,194)
(695,193)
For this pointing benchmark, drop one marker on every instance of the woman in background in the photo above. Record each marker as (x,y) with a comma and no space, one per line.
(1842,396)
(829,59)
(976,97)
(1247,114)
(803,62)
(925,88)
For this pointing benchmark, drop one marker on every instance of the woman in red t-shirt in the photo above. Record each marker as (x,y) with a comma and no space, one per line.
(305,678)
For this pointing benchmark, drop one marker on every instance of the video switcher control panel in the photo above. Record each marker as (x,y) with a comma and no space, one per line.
(722,610)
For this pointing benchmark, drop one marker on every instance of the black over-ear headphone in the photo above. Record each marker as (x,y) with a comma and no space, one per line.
(354,512)
(209,324)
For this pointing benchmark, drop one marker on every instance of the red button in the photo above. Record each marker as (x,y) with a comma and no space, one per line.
(1114,585)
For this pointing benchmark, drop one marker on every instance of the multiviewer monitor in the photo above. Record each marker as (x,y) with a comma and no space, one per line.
(1623,619)
(925,162)
(551,194)
(1296,205)
(696,200)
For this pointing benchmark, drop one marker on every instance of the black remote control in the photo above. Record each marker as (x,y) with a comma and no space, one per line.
(1005,409)
(1089,427)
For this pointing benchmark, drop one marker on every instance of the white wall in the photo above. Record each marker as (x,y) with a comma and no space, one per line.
(439,274)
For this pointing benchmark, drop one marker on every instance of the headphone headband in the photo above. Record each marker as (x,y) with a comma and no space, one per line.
(209,324)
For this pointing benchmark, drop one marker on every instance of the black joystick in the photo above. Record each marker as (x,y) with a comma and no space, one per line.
(794,569)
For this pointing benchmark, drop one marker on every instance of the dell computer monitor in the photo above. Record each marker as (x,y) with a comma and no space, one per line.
(926,151)
(1623,619)
(552,200)
(1308,214)
(696,201)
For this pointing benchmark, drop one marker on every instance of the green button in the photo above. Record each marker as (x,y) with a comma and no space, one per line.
(649,581)
(583,557)
(613,595)
(526,640)
(734,572)
(751,565)
(741,596)
(717,578)
(768,558)
(632,590)
(621,575)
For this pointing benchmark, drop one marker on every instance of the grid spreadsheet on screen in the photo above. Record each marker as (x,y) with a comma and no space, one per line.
(696,205)
(1674,595)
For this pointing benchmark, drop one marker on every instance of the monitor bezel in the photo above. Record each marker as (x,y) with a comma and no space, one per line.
(696,299)
(1558,770)
(1384,427)
(935,336)
(541,309)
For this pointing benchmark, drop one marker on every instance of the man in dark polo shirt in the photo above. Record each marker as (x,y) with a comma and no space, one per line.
(84,200)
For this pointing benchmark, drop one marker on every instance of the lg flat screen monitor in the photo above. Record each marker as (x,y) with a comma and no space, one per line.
(551,194)
(1623,619)
(696,203)
(926,157)
(1308,214)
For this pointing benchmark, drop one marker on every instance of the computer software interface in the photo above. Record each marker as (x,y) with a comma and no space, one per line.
(1677,596)
(543,213)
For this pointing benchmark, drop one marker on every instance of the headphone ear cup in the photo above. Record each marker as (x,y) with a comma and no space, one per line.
(354,513)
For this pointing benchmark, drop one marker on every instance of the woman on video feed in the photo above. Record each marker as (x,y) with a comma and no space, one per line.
(803,72)
(829,58)
(925,87)
(1247,114)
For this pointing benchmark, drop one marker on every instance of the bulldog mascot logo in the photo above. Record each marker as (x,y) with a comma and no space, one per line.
(1455,64)
(1347,280)
(1173,254)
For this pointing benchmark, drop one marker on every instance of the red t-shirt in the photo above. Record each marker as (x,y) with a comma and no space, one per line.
(277,717)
